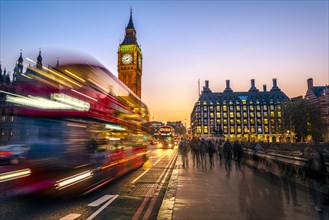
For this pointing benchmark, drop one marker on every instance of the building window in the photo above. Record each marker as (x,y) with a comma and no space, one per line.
(266,129)
(231,115)
(211,108)
(218,114)
(245,122)
(252,129)
(252,114)
(265,107)
(258,115)
(246,130)
(231,108)
(251,108)
(245,115)
(204,102)
(265,121)
(205,115)
(238,108)
(244,108)
(252,121)
(218,108)
(239,129)
(205,109)
(231,122)
(265,114)
(232,130)
(211,115)
(258,107)
(225,122)
(272,114)
(279,114)
(205,129)
(272,107)
(225,115)
(198,129)
(224,108)
(238,122)
(225,129)
(259,121)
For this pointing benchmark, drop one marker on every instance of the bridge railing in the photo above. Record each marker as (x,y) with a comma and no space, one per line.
(289,164)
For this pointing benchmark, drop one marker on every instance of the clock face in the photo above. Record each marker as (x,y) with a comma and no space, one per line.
(139,61)
(127,58)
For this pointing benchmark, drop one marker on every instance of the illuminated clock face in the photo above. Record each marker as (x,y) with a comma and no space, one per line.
(127,58)
(139,61)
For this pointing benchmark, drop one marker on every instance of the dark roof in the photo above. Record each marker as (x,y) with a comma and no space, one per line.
(130,24)
(130,36)
(318,90)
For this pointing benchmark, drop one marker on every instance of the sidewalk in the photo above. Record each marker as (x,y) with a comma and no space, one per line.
(194,193)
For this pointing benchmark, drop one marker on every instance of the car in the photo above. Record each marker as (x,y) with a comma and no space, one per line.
(13,154)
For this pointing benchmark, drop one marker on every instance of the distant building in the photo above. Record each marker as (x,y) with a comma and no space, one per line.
(319,96)
(178,126)
(252,115)
(154,127)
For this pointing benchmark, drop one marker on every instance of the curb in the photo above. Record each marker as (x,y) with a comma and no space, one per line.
(167,206)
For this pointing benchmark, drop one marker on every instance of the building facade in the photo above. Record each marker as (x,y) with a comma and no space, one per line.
(130,60)
(248,116)
(319,97)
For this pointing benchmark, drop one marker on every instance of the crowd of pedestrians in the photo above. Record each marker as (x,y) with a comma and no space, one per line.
(214,149)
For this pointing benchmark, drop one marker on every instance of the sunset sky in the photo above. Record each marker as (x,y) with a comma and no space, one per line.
(182,42)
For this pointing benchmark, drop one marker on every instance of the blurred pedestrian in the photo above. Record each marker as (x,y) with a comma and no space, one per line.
(227,154)
(238,154)
(203,153)
(185,150)
(211,152)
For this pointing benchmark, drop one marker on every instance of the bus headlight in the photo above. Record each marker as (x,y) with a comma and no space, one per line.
(159,145)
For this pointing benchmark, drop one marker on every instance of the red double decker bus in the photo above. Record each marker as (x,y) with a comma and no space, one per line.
(83,127)
(166,137)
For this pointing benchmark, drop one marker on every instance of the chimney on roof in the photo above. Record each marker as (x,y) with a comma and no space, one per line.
(207,84)
(252,81)
(264,88)
(227,83)
(274,83)
(310,83)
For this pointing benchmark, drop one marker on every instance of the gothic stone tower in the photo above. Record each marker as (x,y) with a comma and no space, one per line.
(130,60)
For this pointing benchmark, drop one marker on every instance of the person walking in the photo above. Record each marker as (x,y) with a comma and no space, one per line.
(185,150)
(238,154)
(211,152)
(203,152)
(227,154)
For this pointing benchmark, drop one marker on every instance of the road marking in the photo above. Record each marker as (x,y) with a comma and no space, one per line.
(100,200)
(140,176)
(103,207)
(70,216)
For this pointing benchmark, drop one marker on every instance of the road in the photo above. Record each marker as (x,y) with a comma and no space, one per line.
(136,195)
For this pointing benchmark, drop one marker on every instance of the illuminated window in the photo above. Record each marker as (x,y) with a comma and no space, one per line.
(218,114)
(272,114)
(258,115)
(232,130)
(251,108)
(265,114)
(231,108)
(252,121)
(225,129)
(246,130)
(278,107)
(238,122)
(258,107)
(244,102)
(230,102)
(205,115)
(266,121)
(265,107)
(239,129)
(238,115)
(218,108)
(205,108)
(211,108)
(218,122)
(198,129)
(272,107)
(252,114)
(238,108)
(245,122)
(231,115)
(204,102)
(244,108)
(205,129)
(211,115)
(224,108)
(272,122)
(252,129)
(266,129)
(279,121)
(259,121)
(245,115)
(225,115)
(231,122)
(279,114)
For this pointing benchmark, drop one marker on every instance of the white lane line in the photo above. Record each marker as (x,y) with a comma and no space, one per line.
(100,200)
(103,207)
(70,216)
(140,176)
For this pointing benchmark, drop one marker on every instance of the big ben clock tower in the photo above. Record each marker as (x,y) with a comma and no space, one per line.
(130,60)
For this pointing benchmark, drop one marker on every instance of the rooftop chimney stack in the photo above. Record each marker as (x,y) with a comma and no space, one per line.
(252,82)
(275,83)
(227,83)
(264,88)
(310,83)
(207,84)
